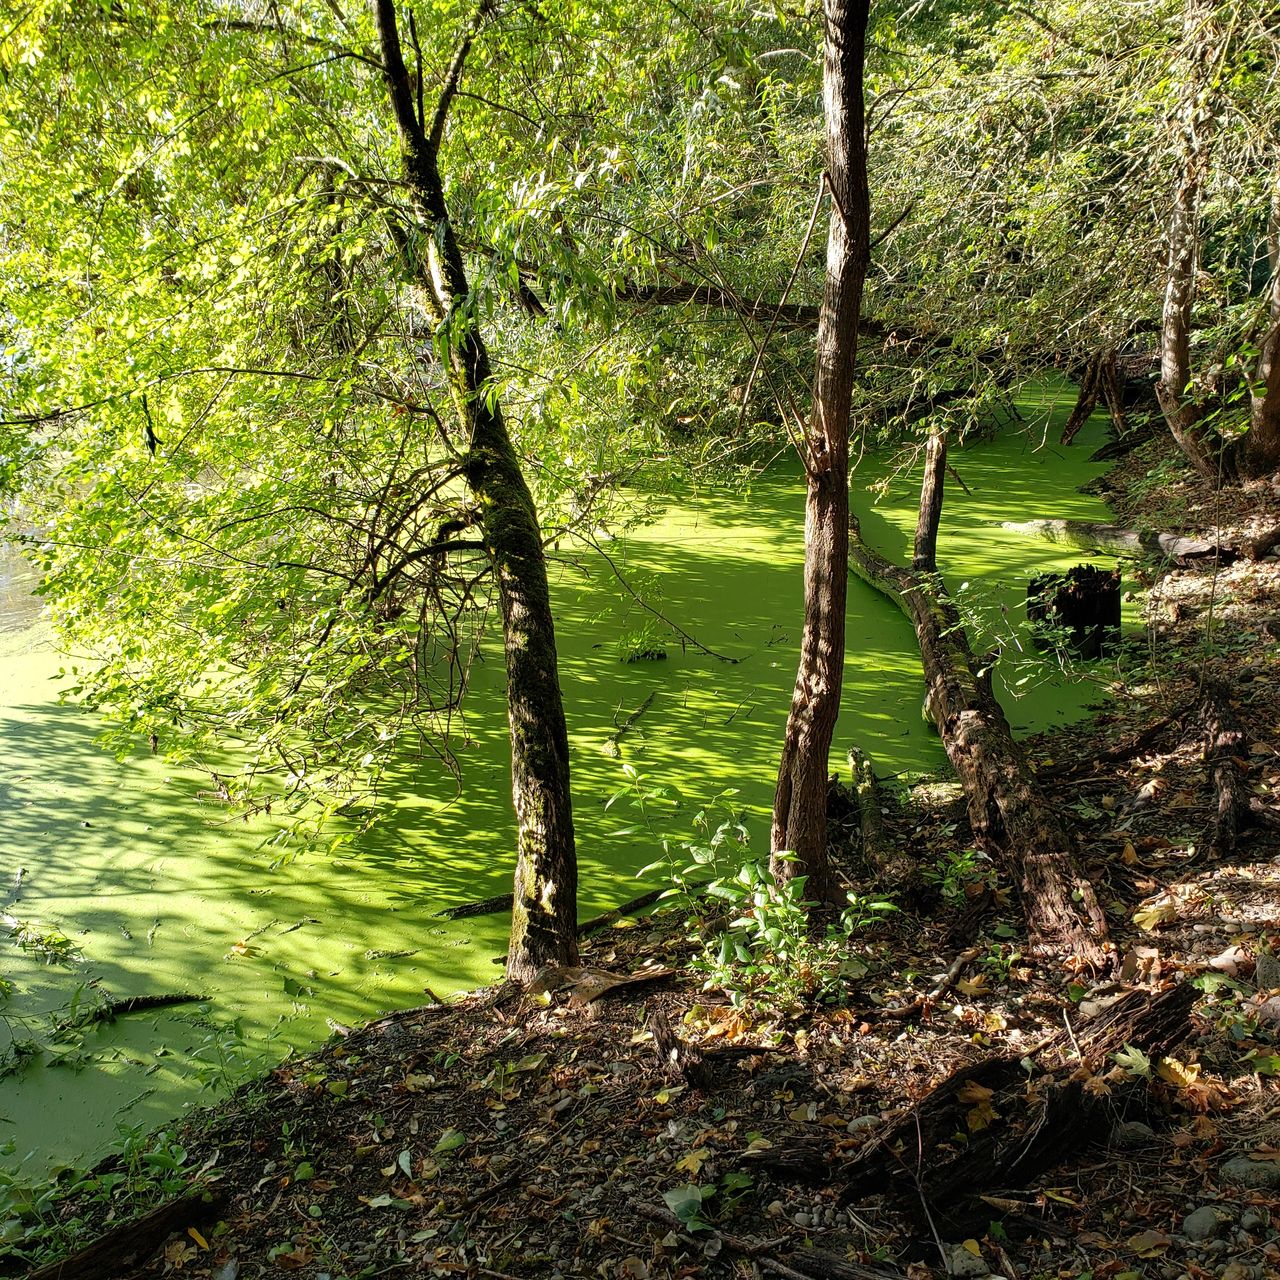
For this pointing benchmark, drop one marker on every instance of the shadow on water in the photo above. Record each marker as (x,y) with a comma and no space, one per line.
(161,892)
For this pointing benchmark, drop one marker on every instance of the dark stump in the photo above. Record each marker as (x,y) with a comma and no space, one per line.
(1079,609)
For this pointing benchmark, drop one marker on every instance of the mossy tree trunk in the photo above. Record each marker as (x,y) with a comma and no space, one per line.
(544,909)
(800,802)
(1010,815)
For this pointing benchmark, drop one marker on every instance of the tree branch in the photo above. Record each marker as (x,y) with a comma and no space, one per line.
(453,77)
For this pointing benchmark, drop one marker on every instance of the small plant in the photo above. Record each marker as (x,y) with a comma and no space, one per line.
(693,1204)
(770,951)
(50,945)
(960,875)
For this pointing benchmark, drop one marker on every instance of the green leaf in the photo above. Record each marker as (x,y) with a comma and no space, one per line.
(450,1140)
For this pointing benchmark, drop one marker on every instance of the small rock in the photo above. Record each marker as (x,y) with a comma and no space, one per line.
(1132,1133)
(1251,1220)
(1251,1173)
(1266,1008)
(1216,1246)
(1205,1223)
(965,1264)
(802,1220)
(859,1123)
(1266,972)
(1233,961)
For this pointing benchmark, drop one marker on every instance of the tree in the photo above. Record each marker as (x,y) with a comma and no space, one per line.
(233,421)
(544,912)
(1214,50)
(800,803)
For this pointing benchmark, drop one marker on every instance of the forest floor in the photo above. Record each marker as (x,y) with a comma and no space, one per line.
(516,1134)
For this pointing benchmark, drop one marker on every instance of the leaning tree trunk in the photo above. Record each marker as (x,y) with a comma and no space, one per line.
(1010,815)
(800,802)
(544,907)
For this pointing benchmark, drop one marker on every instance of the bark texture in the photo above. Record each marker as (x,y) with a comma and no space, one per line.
(544,908)
(1090,536)
(1032,1125)
(1226,754)
(800,802)
(1188,409)
(1010,815)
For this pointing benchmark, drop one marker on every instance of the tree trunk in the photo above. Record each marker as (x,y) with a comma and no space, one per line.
(1256,453)
(1259,448)
(925,559)
(800,803)
(1182,412)
(1008,812)
(544,908)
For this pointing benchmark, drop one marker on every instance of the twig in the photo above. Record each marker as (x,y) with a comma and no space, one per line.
(920,1002)
(657,613)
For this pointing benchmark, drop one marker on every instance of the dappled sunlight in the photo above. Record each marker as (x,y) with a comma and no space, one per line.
(163,892)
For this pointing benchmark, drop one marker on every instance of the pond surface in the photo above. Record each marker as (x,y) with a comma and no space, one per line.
(158,890)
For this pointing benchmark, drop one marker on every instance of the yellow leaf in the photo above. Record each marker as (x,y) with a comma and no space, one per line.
(804,1113)
(693,1162)
(973,1247)
(1154,914)
(981,1112)
(1129,855)
(1179,1073)
(198,1238)
(973,986)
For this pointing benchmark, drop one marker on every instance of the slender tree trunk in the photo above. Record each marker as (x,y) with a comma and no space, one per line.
(1182,412)
(1257,452)
(1260,447)
(800,803)
(1008,812)
(544,909)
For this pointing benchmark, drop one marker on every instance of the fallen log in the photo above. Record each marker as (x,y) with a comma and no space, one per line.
(611,917)
(1123,445)
(117,1251)
(1125,750)
(799,1264)
(1011,817)
(1225,751)
(612,744)
(1111,538)
(1015,1128)
(113,1009)
(499,903)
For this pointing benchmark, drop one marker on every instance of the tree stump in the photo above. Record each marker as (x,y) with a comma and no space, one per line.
(1079,609)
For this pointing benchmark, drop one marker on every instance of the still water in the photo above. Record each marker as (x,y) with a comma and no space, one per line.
(157,889)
